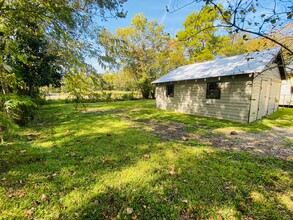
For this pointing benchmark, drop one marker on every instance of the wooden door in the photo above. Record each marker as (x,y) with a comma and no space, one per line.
(272,97)
(263,98)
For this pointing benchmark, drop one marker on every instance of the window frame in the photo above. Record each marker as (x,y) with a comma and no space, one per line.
(170,90)
(213,93)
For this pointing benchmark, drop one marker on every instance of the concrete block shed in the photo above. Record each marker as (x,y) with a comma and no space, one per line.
(241,88)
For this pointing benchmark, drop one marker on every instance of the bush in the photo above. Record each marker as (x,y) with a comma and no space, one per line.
(20,109)
(15,110)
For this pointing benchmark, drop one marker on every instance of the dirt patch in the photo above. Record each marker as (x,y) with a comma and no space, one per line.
(173,131)
(277,142)
(167,131)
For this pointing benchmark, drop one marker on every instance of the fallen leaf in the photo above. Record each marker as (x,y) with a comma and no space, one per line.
(10,196)
(183,138)
(104,213)
(29,212)
(43,197)
(172,171)
(129,210)
(36,202)
(22,151)
(72,154)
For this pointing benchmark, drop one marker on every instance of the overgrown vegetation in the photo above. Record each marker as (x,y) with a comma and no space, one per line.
(101,164)
(40,42)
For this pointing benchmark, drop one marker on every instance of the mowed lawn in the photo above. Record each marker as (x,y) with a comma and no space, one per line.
(108,161)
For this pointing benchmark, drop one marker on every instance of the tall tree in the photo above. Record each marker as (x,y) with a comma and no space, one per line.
(143,51)
(199,35)
(202,39)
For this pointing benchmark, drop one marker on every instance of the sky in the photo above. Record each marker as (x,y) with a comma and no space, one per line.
(153,10)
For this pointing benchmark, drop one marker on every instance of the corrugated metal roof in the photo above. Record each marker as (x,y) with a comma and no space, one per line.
(242,64)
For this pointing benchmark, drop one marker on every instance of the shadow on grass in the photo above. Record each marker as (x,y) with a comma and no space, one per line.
(95,166)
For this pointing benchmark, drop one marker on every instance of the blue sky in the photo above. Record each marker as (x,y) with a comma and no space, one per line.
(153,10)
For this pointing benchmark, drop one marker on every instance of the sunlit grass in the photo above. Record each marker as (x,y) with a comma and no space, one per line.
(97,165)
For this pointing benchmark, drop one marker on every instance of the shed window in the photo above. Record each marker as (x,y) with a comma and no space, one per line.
(213,90)
(170,90)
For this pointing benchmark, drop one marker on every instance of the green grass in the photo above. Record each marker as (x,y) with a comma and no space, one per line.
(99,166)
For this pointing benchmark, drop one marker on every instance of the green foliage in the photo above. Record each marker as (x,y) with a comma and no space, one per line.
(201,40)
(14,110)
(107,96)
(144,52)
(40,41)
(199,35)
(36,63)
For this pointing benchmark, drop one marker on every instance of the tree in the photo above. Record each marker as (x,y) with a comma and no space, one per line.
(283,36)
(199,35)
(254,17)
(36,63)
(142,50)
(201,40)
(40,40)
(68,26)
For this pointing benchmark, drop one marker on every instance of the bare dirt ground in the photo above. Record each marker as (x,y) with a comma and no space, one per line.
(277,142)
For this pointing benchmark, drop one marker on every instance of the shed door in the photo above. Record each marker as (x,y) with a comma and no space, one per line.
(272,97)
(263,98)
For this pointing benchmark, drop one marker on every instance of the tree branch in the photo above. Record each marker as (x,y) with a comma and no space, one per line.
(250,31)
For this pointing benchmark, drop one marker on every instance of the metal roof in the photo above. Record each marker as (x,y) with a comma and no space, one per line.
(255,62)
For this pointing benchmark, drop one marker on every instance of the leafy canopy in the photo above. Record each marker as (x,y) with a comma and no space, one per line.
(143,50)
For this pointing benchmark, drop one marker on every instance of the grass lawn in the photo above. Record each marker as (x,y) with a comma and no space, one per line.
(108,163)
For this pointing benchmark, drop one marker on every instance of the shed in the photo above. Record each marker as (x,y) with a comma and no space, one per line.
(241,88)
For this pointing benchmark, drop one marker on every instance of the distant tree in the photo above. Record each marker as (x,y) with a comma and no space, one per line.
(199,35)
(142,50)
(232,44)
